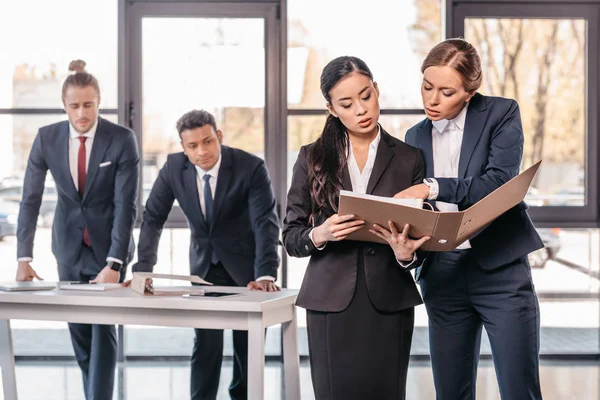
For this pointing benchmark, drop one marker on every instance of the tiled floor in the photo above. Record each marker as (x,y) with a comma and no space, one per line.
(170,381)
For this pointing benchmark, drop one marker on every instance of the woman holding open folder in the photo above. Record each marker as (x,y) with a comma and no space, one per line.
(472,145)
(359,296)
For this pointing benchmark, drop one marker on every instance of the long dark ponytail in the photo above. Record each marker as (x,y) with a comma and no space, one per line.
(327,157)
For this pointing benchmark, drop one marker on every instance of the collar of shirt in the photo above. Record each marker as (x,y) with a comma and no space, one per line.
(373,145)
(459,121)
(213,172)
(73,134)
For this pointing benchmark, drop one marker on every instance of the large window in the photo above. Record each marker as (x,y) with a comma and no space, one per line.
(391,37)
(546,58)
(40,38)
(36,51)
(541,64)
(213,48)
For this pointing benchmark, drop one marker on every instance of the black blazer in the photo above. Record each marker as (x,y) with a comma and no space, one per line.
(245,230)
(330,278)
(108,206)
(491,153)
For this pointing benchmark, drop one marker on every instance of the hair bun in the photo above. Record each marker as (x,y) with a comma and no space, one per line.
(77,66)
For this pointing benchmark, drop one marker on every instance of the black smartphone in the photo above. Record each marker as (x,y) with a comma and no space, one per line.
(209,294)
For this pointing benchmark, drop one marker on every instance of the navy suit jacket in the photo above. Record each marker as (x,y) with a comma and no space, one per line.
(245,229)
(491,153)
(107,207)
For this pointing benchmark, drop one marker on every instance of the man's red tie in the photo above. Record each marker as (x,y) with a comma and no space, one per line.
(81,174)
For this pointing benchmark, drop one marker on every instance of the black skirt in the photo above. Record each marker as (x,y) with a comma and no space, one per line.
(359,353)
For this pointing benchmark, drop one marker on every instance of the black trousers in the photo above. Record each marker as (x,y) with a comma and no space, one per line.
(460,298)
(207,355)
(95,346)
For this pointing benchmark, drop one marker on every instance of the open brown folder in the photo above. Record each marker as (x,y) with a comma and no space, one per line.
(447,229)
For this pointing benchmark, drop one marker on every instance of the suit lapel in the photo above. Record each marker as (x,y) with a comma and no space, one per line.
(223,179)
(62,152)
(101,141)
(382,160)
(424,142)
(190,181)
(474,123)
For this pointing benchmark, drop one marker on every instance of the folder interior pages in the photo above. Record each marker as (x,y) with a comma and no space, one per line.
(416,203)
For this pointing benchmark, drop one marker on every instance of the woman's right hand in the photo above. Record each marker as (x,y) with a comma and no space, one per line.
(336,228)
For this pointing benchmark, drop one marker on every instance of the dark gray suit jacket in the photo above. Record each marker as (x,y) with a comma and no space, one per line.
(245,229)
(108,206)
(491,152)
(330,277)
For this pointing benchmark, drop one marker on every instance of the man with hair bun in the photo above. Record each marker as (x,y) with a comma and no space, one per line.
(94,163)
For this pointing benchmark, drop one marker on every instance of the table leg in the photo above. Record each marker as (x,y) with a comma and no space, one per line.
(256,357)
(7,361)
(291,358)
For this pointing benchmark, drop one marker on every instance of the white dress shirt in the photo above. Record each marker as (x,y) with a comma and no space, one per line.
(446,140)
(214,175)
(74,144)
(360,180)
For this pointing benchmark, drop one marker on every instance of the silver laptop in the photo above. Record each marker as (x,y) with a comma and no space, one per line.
(26,286)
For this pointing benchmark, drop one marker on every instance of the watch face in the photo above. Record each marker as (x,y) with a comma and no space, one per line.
(115,266)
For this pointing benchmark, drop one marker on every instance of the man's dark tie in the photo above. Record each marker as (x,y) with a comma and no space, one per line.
(209,211)
(81,175)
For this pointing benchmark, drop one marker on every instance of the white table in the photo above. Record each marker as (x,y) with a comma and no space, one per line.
(251,310)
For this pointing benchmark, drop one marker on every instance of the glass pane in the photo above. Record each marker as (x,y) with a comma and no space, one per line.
(37,49)
(566,277)
(541,63)
(568,264)
(397,125)
(203,78)
(18,133)
(405,30)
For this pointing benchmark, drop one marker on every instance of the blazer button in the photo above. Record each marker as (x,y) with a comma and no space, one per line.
(371,251)
(306,247)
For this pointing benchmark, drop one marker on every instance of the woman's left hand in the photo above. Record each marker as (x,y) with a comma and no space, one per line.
(403,246)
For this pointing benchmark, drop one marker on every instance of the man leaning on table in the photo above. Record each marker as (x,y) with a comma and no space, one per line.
(94,164)
(227,198)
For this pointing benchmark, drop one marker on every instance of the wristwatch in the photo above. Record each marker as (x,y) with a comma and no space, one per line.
(115,266)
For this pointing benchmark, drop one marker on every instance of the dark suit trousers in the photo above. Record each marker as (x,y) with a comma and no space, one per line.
(95,346)
(460,298)
(208,353)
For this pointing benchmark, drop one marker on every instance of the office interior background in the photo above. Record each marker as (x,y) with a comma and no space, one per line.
(256,66)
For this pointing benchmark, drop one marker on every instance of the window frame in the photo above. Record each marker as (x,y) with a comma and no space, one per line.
(586,216)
